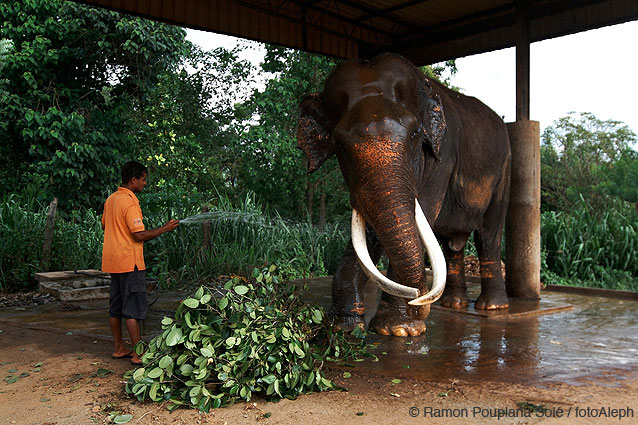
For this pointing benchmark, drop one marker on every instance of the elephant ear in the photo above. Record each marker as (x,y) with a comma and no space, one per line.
(433,123)
(312,136)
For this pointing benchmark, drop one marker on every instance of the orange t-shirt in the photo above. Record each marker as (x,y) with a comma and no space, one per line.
(122,216)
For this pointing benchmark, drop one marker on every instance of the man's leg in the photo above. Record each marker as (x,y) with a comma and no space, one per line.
(135,306)
(119,347)
(133,327)
(115,312)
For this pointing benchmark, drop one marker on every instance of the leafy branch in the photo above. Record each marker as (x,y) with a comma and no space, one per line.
(253,336)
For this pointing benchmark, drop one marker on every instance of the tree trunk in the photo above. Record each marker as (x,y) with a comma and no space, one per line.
(322,212)
(311,195)
(48,236)
(205,230)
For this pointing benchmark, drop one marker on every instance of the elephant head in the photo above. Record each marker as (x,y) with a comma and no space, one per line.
(381,118)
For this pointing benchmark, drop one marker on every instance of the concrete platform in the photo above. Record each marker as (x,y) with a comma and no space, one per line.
(596,338)
(74,285)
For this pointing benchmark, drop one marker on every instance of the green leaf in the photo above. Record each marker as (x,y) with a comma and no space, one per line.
(191,303)
(241,289)
(205,299)
(122,419)
(138,374)
(269,379)
(101,372)
(198,294)
(155,373)
(165,361)
(396,381)
(347,375)
(186,369)
(317,317)
(174,337)
(222,303)
(152,393)
(167,321)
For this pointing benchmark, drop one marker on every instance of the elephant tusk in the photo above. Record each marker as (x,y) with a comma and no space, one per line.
(436,259)
(369,268)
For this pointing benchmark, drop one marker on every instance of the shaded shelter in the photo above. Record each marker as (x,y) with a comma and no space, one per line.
(426,32)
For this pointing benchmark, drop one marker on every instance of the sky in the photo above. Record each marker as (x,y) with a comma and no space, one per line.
(594,71)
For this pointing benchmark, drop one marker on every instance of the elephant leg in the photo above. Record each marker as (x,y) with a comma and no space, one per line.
(393,318)
(455,294)
(488,244)
(347,310)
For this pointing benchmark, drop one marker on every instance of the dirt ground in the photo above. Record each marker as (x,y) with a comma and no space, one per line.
(51,377)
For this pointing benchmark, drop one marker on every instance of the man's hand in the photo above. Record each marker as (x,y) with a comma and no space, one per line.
(171,225)
(147,235)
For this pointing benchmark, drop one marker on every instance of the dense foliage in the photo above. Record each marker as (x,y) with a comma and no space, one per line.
(242,236)
(76,77)
(582,156)
(250,338)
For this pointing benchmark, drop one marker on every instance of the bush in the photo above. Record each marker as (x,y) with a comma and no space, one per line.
(77,242)
(590,248)
(251,337)
(243,237)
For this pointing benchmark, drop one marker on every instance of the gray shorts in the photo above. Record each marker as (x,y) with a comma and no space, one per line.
(128,295)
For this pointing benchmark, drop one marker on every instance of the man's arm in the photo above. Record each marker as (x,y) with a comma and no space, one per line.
(147,235)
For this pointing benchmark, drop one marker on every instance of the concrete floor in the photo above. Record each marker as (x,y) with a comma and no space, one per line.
(537,344)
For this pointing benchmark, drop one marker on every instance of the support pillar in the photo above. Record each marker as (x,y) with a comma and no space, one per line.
(523,222)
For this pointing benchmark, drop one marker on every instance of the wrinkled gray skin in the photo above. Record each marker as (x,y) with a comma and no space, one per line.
(399,136)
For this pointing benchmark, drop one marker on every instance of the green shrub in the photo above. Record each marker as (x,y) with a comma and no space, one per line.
(251,337)
(77,242)
(243,237)
(22,235)
(590,248)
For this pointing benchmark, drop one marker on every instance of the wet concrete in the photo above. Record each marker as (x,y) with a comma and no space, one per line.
(596,338)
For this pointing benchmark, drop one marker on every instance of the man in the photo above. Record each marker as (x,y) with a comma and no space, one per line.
(123,257)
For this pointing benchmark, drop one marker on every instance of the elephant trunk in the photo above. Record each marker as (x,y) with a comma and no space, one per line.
(379,160)
(386,200)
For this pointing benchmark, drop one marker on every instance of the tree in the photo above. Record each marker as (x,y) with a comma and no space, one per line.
(268,161)
(77,74)
(188,119)
(577,152)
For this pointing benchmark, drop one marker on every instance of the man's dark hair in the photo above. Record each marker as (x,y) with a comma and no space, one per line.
(132,169)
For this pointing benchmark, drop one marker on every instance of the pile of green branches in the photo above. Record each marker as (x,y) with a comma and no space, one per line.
(251,337)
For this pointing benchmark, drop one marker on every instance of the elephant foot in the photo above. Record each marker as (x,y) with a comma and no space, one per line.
(347,323)
(391,321)
(455,298)
(397,326)
(492,301)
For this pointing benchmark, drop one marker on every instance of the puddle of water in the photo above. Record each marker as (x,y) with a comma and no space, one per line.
(597,334)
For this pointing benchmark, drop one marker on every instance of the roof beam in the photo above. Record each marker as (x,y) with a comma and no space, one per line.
(391,9)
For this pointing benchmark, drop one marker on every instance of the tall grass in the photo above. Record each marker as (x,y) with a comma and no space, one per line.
(77,242)
(244,236)
(600,249)
(582,247)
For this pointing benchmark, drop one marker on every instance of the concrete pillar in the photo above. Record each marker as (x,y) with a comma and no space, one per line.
(523,223)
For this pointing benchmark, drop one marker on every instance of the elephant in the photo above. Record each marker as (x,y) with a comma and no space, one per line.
(423,165)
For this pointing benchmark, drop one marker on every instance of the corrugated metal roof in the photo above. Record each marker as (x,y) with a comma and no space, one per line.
(425,31)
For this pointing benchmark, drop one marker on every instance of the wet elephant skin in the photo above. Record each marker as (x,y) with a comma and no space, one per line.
(399,136)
